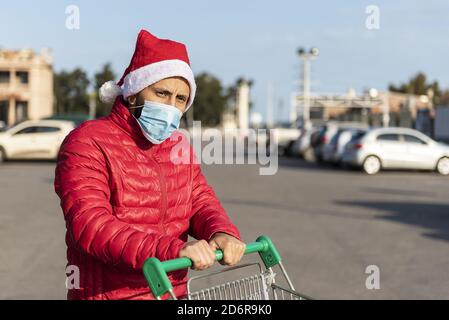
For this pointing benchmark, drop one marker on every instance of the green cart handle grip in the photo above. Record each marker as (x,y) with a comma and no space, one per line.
(155,271)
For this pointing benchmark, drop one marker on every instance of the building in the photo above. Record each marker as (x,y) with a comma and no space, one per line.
(406,110)
(26,86)
(374,108)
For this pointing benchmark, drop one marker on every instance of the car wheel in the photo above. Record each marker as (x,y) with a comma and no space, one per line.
(371,165)
(443,166)
(309,155)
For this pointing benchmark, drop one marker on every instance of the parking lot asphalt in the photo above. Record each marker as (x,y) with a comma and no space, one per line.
(328,224)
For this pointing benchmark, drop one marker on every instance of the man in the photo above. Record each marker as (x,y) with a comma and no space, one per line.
(123,198)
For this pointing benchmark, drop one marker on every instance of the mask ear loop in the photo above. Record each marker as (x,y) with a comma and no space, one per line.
(182,112)
(138,113)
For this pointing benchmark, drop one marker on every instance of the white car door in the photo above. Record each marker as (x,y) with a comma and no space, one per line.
(48,139)
(20,144)
(33,142)
(391,150)
(420,154)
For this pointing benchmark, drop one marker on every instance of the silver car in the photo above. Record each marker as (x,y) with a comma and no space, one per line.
(333,151)
(322,138)
(34,139)
(396,148)
(301,147)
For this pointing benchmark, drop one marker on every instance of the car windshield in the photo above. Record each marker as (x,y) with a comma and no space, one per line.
(357,135)
(7,128)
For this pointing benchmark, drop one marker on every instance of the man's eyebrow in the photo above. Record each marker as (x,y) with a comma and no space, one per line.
(167,90)
(162,89)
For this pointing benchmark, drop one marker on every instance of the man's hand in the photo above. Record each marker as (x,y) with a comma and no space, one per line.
(233,249)
(200,252)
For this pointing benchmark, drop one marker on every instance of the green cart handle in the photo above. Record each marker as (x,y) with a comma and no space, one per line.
(155,271)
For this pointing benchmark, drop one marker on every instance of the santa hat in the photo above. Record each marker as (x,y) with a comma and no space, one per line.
(154,59)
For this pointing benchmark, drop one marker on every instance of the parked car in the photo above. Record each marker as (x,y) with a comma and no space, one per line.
(284,134)
(333,151)
(327,132)
(396,148)
(323,136)
(34,139)
(301,147)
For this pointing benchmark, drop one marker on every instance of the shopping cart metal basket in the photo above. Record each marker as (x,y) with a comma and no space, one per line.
(259,286)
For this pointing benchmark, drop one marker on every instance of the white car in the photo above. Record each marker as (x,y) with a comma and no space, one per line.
(396,148)
(301,147)
(333,151)
(34,139)
(284,136)
(328,131)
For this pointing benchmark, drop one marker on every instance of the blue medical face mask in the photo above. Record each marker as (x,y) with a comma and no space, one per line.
(158,120)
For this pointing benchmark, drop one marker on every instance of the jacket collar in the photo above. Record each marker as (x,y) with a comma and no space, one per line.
(122,117)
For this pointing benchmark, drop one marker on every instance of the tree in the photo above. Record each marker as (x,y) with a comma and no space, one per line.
(210,100)
(106,74)
(444,98)
(70,90)
(418,85)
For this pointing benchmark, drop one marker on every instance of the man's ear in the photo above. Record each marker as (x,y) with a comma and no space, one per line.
(132,100)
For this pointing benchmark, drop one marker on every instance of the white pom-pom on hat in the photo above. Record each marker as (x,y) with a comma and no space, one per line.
(109,91)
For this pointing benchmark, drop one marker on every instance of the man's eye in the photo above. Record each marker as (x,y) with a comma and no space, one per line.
(182,98)
(161,93)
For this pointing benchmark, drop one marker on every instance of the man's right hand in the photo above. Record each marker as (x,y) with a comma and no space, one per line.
(200,252)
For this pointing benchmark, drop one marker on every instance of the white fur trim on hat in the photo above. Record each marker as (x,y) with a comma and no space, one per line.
(141,78)
(109,91)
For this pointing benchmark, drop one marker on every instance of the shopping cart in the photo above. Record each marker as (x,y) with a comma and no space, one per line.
(260,286)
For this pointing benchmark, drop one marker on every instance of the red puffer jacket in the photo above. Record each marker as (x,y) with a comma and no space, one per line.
(124,200)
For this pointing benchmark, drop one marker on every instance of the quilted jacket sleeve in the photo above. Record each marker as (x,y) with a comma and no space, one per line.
(81,182)
(208,216)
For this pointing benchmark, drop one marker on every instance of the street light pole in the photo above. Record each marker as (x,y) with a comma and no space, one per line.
(306,57)
(306,92)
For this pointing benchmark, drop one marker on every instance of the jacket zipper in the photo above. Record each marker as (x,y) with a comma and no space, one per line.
(163,207)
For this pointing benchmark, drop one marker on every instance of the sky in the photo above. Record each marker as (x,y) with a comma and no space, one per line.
(254,39)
